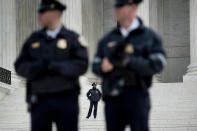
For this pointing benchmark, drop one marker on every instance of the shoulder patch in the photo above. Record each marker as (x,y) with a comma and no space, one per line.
(111,44)
(35,45)
(82,41)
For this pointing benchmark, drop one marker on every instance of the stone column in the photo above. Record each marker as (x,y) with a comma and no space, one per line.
(26,20)
(7,34)
(192,68)
(171,21)
(143,12)
(72,17)
(92,26)
(7,39)
(26,23)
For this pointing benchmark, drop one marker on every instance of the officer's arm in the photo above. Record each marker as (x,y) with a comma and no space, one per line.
(88,94)
(75,66)
(24,66)
(155,62)
(99,94)
(96,67)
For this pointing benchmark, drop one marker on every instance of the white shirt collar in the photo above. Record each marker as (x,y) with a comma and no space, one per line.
(54,33)
(134,25)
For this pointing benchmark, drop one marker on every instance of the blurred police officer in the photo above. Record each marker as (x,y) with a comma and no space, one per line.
(94,95)
(52,59)
(126,59)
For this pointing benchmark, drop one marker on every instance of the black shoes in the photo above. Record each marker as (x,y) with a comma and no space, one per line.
(89,116)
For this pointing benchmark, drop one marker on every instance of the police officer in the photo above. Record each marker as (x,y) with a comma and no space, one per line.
(126,59)
(94,95)
(52,59)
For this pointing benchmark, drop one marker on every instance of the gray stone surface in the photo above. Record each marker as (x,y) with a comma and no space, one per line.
(192,68)
(176,66)
(7,33)
(171,21)
(174,108)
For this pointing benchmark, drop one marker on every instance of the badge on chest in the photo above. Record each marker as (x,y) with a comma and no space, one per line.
(62,44)
(129,49)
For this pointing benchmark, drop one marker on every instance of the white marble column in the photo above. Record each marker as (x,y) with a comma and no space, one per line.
(72,17)
(7,39)
(143,12)
(26,20)
(7,34)
(192,68)
(92,27)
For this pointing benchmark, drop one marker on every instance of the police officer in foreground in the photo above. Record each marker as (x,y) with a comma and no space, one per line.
(94,95)
(51,60)
(126,59)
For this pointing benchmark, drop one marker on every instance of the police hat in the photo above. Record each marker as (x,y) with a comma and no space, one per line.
(94,84)
(120,3)
(50,5)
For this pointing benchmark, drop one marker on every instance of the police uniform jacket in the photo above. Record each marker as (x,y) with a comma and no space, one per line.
(136,59)
(52,65)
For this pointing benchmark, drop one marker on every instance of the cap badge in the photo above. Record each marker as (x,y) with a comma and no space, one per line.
(52,6)
(130,1)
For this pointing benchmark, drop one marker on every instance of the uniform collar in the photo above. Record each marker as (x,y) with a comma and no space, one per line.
(53,33)
(139,29)
(134,25)
(43,32)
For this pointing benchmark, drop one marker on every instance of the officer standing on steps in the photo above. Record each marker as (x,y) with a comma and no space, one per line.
(51,60)
(94,95)
(126,59)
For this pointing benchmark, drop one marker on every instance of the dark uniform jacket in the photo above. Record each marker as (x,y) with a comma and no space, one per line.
(136,59)
(52,65)
(94,95)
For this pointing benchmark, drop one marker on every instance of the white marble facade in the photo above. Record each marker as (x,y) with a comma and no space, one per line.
(174,20)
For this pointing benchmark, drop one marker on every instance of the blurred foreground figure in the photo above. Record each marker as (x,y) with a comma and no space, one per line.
(52,59)
(94,95)
(126,59)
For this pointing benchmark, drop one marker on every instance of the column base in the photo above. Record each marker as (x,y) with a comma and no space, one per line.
(6,89)
(189,78)
(191,75)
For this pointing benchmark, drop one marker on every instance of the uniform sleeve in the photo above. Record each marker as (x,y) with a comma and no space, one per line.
(24,66)
(154,63)
(88,94)
(100,95)
(75,66)
(96,67)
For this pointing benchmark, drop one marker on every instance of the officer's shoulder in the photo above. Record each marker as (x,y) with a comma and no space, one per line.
(107,36)
(110,33)
(71,33)
(32,37)
(80,39)
(35,34)
(152,33)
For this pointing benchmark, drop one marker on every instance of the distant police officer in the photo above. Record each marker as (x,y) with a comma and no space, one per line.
(126,59)
(94,95)
(52,59)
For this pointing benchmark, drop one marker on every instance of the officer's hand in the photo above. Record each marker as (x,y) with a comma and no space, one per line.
(106,66)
